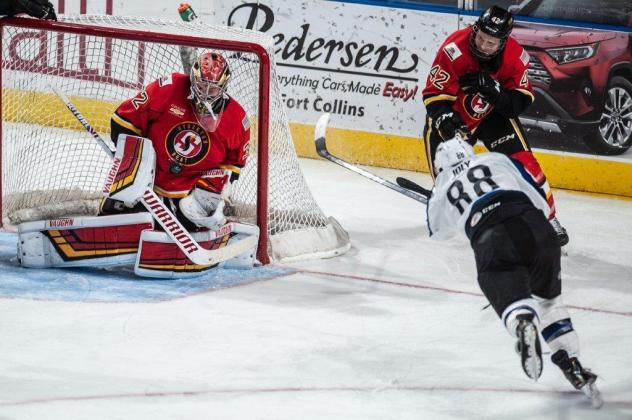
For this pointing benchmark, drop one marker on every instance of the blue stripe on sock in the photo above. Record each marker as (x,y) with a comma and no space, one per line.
(557,329)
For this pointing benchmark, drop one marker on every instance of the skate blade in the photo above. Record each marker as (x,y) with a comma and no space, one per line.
(532,361)
(593,393)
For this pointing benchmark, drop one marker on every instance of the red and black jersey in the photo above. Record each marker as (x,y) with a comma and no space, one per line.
(454,59)
(186,153)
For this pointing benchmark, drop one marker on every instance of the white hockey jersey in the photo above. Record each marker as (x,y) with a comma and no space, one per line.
(473,185)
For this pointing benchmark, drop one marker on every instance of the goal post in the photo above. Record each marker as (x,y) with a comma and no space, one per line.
(51,168)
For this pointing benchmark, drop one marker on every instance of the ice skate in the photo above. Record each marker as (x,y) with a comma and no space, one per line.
(562,236)
(528,346)
(582,379)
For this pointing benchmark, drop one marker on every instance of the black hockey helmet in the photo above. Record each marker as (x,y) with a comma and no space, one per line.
(496,22)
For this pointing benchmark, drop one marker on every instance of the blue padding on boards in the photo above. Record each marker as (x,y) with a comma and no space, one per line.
(112,285)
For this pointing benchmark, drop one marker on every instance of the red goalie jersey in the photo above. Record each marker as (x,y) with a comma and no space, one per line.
(186,152)
(454,59)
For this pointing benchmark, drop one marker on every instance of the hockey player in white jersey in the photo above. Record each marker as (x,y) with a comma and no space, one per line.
(497,205)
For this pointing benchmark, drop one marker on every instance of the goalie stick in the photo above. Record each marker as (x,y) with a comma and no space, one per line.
(172,226)
(107,148)
(409,189)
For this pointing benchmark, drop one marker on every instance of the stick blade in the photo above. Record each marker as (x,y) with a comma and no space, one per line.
(413,186)
(319,134)
(402,182)
(215,256)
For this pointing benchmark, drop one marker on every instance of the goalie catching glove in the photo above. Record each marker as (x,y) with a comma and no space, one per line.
(204,208)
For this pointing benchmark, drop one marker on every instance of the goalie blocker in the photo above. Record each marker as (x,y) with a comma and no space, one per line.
(126,239)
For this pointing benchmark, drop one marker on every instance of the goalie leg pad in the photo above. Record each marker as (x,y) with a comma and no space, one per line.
(160,257)
(82,241)
(132,171)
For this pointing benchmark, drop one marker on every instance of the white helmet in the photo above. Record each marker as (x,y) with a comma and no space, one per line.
(452,152)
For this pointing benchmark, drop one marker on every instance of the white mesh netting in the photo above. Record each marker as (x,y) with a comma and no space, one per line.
(51,167)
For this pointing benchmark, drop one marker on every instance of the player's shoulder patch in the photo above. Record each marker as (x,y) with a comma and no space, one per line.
(237,112)
(452,51)
(524,57)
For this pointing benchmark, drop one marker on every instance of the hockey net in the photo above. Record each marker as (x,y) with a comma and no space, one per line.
(51,167)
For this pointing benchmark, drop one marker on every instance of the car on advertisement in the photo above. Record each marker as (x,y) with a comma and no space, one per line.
(582,79)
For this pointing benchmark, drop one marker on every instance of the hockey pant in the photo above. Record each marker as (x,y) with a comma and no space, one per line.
(518,265)
(502,135)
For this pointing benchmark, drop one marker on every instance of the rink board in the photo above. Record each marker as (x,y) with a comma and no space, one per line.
(564,170)
(572,171)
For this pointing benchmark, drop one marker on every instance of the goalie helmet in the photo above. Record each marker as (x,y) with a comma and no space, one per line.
(209,77)
(496,22)
(452,152)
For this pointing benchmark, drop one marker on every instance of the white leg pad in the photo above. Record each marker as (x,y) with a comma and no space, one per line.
(159,256)
(82,241)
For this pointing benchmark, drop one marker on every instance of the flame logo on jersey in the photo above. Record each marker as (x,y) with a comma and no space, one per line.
(188,143)
(476,106)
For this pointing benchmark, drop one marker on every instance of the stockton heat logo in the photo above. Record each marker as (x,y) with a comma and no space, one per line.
(476,106)
(187,143)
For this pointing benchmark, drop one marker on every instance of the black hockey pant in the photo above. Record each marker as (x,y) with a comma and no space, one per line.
(517,258)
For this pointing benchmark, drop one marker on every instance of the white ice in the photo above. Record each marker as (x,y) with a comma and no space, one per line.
(394,329)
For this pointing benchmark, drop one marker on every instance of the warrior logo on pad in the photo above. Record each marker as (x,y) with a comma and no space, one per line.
(187,143)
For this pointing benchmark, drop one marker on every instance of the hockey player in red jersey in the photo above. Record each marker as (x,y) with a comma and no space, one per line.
(181,142)
(200,135)
(477,86)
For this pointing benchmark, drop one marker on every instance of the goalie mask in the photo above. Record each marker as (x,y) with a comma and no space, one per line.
(452,152)
(209,77)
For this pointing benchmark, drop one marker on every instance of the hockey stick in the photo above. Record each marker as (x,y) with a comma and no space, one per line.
(73,109)
(321,148)
(182,238)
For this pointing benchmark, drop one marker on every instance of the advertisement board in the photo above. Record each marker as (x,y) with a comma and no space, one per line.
(367,73)
(366,64)
(582,80)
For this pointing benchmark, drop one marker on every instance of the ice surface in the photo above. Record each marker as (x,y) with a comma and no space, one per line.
(392,330)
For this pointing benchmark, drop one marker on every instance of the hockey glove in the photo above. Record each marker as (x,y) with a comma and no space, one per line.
(449,125)
(483,84)
(204,208)
(37,8)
